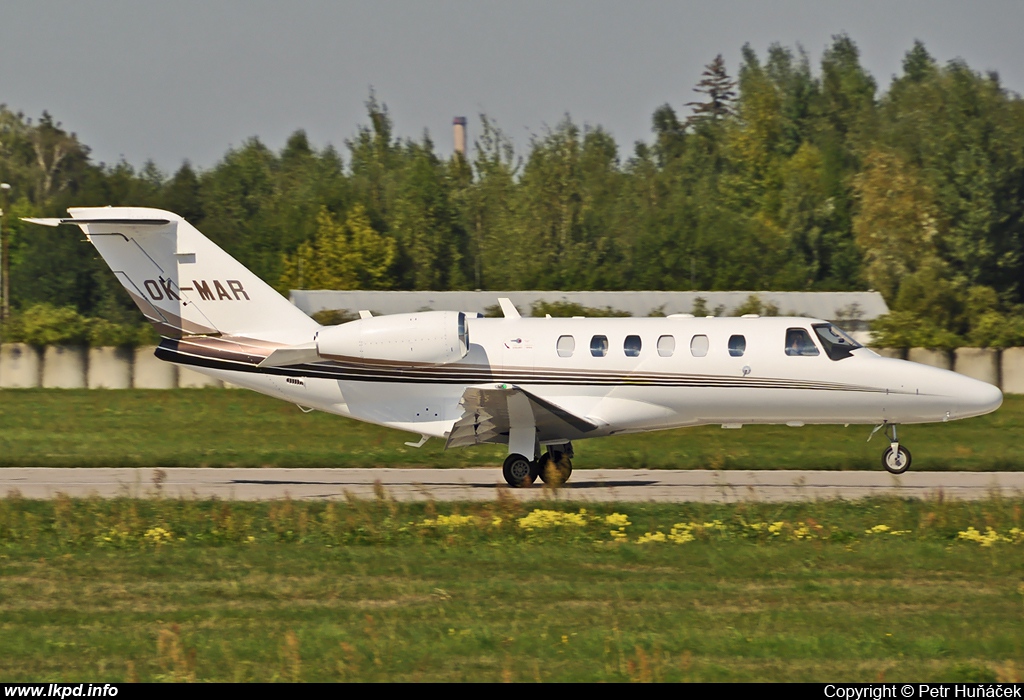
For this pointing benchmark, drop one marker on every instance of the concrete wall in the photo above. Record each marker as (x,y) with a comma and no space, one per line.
(895,353)
(978,363)
(25,367)
(151,373)
(64,367)
(190,379)
(1013,370)
(942,359)
(19,366)
(110,368)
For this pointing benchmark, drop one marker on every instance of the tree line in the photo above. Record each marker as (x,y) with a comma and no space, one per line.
(787,176)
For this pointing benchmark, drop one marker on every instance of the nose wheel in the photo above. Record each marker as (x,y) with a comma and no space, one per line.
(895,458)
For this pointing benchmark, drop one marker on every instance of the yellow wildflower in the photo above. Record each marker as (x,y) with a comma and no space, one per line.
(651,537)
(617,520)
(681,533)
(449,521)
(539,519)
(885,530)
(985,540)
(157,535)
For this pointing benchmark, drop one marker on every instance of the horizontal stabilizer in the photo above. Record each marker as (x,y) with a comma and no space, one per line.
(486,418)
(295,355)
(114,222)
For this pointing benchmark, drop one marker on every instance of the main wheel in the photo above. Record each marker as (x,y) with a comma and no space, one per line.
(896,461)
(519,471)
(554,469)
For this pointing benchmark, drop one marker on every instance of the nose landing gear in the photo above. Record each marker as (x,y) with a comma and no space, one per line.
(895,458)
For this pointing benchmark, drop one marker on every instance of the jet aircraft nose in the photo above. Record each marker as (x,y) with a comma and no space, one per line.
(976,398)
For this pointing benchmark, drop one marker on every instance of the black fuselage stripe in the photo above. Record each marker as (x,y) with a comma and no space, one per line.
(406,377)
(463,374)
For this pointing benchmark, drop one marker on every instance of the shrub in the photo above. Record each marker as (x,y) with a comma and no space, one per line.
(104,333)
(46,324)
(333,317)
(904,329)
(566,309)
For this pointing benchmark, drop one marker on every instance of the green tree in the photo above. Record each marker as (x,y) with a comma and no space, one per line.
(718,86)
(425,224)
(489,208)
(897,225)
(341,256)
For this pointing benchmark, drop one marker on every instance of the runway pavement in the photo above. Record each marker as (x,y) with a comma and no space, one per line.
(487,484)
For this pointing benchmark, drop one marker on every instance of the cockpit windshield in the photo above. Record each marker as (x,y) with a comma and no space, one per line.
(838,345)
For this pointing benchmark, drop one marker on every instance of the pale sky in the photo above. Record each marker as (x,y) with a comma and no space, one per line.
(171,80)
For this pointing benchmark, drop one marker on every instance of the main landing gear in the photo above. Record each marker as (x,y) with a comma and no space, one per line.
(896,458)
(554,467)
(519,471)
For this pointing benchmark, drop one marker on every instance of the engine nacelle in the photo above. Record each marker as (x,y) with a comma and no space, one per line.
(422,338)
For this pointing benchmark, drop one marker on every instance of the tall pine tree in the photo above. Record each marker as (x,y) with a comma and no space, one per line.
(719,88)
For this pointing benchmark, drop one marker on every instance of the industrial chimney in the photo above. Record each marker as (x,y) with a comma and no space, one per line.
(459,127)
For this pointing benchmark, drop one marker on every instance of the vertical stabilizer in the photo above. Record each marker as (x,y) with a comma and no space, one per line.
(184,283)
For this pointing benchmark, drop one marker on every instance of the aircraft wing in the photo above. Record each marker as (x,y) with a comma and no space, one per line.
(487,414)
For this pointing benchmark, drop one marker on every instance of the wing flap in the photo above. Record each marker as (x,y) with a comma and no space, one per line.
(486,418)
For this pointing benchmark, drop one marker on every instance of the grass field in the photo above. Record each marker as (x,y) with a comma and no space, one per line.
(184,590)
(204,590)
(224,428)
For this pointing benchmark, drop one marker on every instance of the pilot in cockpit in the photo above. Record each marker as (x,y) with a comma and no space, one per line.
(798,343)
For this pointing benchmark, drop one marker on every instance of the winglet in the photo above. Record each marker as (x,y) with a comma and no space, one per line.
(364,313)
(508,308)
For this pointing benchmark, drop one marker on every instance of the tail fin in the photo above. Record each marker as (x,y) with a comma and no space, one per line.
(184,283)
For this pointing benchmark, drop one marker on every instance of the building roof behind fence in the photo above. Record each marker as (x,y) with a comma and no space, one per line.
(852,308)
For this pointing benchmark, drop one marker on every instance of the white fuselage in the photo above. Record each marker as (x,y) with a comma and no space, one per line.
(526,382)
(680,373)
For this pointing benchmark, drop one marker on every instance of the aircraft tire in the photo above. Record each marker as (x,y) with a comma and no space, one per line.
(554,472)
(896,461)
(519,471)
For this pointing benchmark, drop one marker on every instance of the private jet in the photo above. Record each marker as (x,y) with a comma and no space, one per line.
(536,385)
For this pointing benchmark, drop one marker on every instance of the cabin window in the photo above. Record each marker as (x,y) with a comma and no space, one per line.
(631,346)
(666,345)
(699,346)
(838,345)
(566,345)
(737,345)
(599,345)
(799,343)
